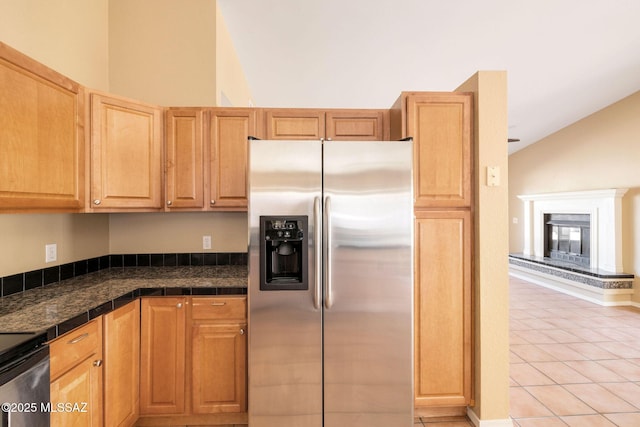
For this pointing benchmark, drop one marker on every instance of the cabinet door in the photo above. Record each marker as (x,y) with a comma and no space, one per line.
(230,129)
(219,368)
(443,308)
(79,386)
(185,159)
(41,139)
(162,361)
(126,152)
(440,124)
(76,374)
(122,365)
(294,124)
(354,125)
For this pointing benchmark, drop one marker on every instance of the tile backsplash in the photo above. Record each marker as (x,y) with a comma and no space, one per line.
(33,279)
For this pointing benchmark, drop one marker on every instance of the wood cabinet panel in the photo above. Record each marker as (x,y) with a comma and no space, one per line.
(354,125)
(126,153)
(80,385)
(42,141)
(219,308)
(291,123)
(77,375)
(440,124)
(228,145)
(73,347)
(443,308)
(219,368)
(162,361)
(122,366)
(185,160)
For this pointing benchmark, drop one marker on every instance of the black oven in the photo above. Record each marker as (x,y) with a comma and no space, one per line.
(24,380)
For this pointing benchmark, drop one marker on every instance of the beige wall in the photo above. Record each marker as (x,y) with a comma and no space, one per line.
(163,51)
(600,151)
(69,36)
(232,86)
(491,241)
(23,238)
(174,53)
(177,232)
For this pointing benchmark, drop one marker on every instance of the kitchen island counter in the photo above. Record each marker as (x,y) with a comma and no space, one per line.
(63,306)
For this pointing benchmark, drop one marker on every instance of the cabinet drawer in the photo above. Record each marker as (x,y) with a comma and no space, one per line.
(73,347)
(219,308)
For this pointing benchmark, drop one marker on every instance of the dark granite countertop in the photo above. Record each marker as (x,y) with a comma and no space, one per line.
(60,307)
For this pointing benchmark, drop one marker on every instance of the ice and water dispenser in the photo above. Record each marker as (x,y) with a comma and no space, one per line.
(283,253)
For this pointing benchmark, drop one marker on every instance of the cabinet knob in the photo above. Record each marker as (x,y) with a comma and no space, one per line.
(97,363)
(241,331)
(169,202)
(96,202)
(212,202)
(179,305)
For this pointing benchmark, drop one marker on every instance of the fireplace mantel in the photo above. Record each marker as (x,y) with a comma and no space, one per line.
(605,209)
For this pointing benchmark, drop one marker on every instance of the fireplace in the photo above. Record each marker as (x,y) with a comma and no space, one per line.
(604,208)
(568,238)
(573,243)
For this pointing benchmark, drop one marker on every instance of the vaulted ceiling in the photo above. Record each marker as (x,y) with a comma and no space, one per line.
(565,59)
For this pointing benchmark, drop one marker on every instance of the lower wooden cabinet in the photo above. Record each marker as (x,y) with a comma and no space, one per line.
(122,366)
(162,350)
(76,377)
(219,355)
(443,309)
(193,356)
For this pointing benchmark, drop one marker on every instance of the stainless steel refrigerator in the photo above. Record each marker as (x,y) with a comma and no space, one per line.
(330,284)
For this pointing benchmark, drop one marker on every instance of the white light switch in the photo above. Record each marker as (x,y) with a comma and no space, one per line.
(493,176)
(206,242)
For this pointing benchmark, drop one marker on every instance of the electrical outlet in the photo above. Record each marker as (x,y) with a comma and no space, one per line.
(206,242)
(50,252)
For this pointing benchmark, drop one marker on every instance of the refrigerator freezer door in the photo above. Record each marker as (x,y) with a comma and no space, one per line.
(368,317)
(285,333)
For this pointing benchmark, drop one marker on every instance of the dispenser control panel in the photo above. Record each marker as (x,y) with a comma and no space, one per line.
(283,253)
(283,229)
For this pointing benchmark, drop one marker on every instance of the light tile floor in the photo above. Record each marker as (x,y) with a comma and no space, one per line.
(573,363)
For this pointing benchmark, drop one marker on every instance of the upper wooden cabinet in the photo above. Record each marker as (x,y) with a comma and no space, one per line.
(357,125)
(41,137)
(440,124)
(228,150)
(353,125)
(290,123)
(206,157)
(185,160)
(126,154)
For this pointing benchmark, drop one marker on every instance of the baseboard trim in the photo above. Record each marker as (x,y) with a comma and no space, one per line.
(508,422)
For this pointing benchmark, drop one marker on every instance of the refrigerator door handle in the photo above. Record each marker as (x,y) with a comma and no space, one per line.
(328,296)
(317,241)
